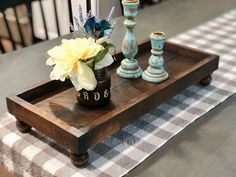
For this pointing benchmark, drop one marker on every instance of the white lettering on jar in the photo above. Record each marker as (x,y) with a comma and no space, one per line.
(106,93)
(96,96)
(86,97)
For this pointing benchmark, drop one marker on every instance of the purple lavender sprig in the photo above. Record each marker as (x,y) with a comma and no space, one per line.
(77,24)
(81,17)
(109,17)
(78,29)
(72,27)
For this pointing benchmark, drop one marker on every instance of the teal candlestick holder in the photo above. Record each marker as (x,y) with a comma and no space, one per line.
(129,67)
(156,72)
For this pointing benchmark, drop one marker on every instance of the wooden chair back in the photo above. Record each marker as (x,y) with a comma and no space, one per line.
(12,7)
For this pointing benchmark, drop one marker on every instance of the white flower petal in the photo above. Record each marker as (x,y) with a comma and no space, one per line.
(106,61)
(101,40)
(86,78)
(54,76)
(73,79)
(57,52)
(59,72)
(50,61)
(75,84)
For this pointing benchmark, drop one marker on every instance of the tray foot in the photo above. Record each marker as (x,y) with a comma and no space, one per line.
(206,81)
(79,160)
(23,127)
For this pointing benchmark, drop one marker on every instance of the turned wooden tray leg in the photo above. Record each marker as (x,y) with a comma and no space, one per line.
(206,81)
(79,159)
(23,127)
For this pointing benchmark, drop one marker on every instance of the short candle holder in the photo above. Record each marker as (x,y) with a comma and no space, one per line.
(155,71)
(130,68)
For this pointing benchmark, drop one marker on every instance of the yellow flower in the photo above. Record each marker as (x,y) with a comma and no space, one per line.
(68,60)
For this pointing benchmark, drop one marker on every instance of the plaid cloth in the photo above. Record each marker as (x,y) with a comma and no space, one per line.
(35,155)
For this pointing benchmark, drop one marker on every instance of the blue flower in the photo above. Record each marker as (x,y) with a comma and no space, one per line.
(97,28)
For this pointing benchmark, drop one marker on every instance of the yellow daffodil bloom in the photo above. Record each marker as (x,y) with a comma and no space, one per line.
(69,58)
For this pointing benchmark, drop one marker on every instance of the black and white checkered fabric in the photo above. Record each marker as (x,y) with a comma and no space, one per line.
(35,155)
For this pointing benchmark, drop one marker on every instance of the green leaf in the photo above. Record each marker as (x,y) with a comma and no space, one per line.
(109,45)
(104,44)
(90,63)
(100,55)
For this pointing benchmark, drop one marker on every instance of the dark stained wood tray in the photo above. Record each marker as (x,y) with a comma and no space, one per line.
(51,107)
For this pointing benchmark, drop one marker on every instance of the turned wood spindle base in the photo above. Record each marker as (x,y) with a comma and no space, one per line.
(79,160)
(206,81)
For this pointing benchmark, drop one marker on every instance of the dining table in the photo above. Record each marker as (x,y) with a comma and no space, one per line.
(207,146)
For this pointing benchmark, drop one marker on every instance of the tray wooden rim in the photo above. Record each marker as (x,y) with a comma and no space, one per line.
(72,133)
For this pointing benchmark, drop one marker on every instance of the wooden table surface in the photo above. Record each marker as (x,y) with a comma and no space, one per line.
(206,148)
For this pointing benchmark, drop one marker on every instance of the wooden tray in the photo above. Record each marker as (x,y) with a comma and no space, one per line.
(51,107)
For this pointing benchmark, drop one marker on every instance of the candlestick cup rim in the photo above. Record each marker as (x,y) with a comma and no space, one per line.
(158,34)
(131,3)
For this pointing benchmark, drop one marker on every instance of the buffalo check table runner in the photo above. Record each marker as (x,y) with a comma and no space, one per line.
(35,155)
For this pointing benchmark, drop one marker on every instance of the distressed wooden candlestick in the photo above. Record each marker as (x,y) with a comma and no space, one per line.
(129,66)
(155,71)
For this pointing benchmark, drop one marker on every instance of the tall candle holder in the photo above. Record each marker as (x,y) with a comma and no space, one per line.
(129,66)
(156,72)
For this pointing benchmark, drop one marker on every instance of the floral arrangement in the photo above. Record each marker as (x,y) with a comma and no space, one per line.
(77,58)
